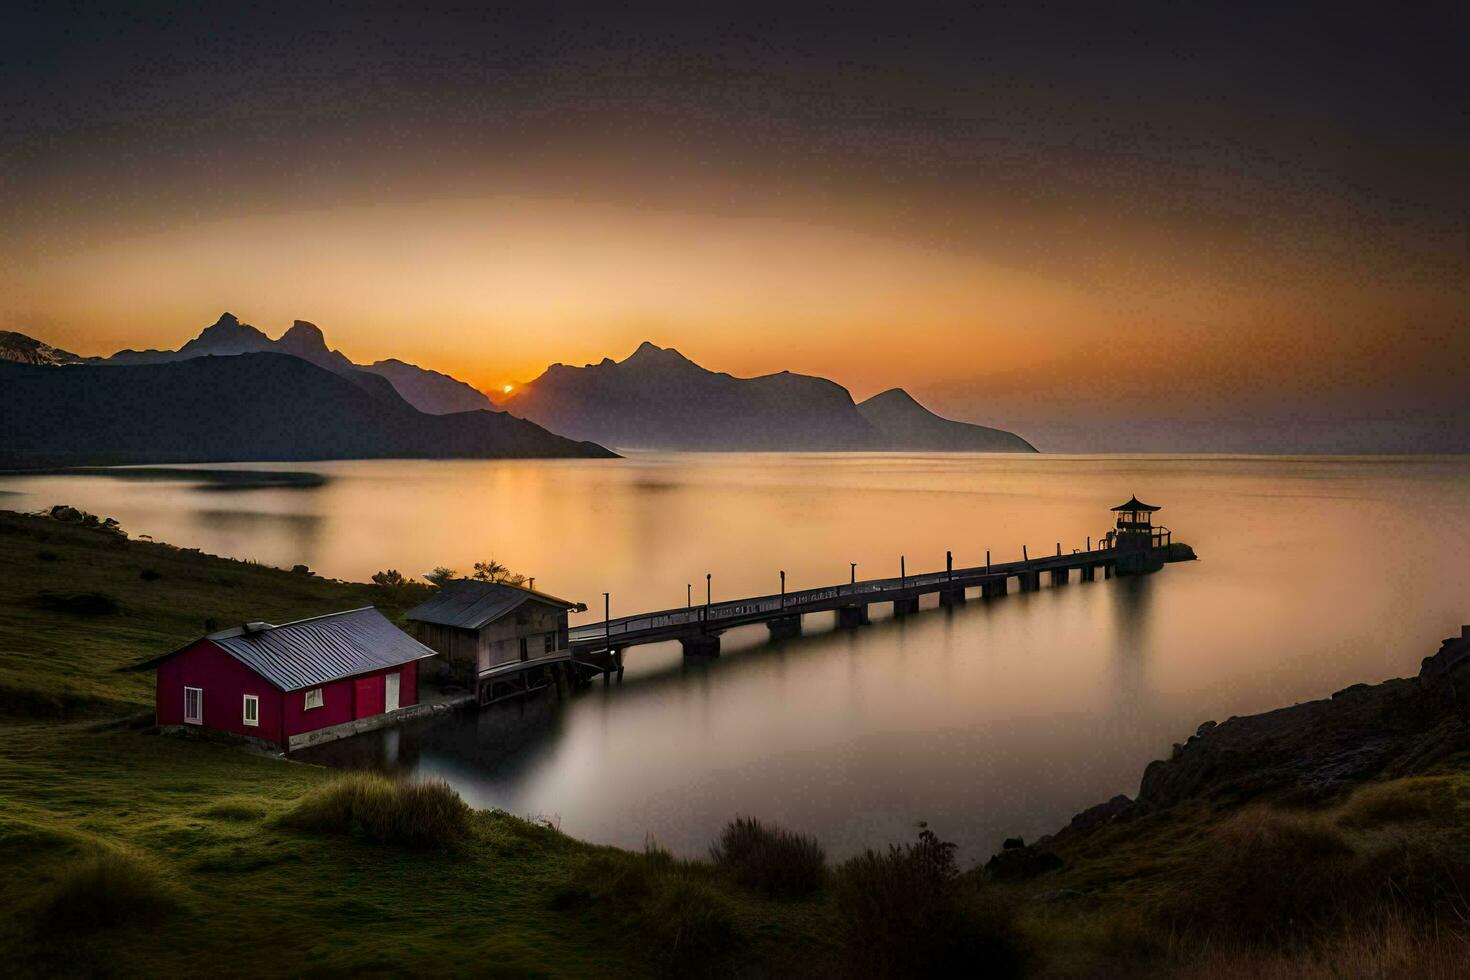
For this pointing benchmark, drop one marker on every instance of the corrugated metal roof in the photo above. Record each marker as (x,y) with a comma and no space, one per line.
(470,604)
(311,652)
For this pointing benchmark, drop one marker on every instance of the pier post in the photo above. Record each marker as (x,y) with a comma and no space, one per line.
(851,616)
(949,564)
(1059,576)
(1024,555)
(993,588)
(987,559)
(905,605)
(1029,581)
(1089,573)
(1108,570)
(701,644)
(951,597)
(784,627)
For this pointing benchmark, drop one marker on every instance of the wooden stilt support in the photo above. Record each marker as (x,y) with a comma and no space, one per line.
(785,627)
(701,644)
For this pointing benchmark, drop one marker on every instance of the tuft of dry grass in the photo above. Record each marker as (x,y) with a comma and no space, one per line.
(772,860)
(1264,875)
(427,814)
(101,891)
(689,927)
(1391,949)
(1400,801)
(909,913)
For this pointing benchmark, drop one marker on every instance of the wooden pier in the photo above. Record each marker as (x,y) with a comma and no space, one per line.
(1134,546)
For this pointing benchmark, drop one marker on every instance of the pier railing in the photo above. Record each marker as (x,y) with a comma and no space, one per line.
(738,612)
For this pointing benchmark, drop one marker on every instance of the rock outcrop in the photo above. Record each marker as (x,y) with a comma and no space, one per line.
(1305,754)
(28,350)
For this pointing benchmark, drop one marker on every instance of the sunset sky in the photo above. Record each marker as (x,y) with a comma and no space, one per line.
(1142,227)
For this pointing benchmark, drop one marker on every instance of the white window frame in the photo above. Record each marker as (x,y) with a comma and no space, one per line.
(198,718)
(250,710)
(313,699)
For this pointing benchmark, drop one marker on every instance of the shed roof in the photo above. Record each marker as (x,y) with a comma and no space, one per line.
(1135,505)
(470,604)
(311,652)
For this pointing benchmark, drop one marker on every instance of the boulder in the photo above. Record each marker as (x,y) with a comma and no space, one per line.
(1094,817)
(1439,668)
(1014,863)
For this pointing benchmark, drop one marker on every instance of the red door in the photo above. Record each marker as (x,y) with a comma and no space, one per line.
(368,696)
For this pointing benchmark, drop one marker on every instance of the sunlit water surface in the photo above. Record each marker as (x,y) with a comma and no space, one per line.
(1002,717)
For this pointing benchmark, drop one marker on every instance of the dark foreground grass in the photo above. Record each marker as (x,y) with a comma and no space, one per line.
(101,891)
(688,925)
(772,860)
(909,912)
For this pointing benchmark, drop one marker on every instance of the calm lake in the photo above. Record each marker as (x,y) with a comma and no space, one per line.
(999,718)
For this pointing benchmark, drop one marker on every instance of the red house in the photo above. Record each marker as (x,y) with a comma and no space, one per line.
(279,683)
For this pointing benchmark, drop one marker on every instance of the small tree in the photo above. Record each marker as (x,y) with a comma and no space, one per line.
(494,571)
(440,575)
(391,579)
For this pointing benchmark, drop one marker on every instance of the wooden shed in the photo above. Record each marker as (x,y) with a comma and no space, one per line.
(483,629)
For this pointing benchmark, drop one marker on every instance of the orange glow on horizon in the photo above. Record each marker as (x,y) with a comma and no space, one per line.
(494,290)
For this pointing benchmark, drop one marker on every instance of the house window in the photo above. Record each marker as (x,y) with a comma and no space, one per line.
(550,639)
(314,698)
(252,710)
(524,654)
(194,705)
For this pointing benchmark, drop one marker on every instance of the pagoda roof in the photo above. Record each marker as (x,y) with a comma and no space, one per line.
(1134,505)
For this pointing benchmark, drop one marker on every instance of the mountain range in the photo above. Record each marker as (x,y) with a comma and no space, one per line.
(428,391)
(252,406)
(656,398)
(659,399)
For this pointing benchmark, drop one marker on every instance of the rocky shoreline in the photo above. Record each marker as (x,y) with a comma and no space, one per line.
(1308,754)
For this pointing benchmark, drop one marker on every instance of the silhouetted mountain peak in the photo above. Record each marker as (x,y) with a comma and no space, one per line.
(897,398)
(303,337)
(228,335)
(649,353)
(903,423)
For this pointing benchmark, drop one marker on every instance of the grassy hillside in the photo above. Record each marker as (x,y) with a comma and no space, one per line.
(76,603)
(131,853)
